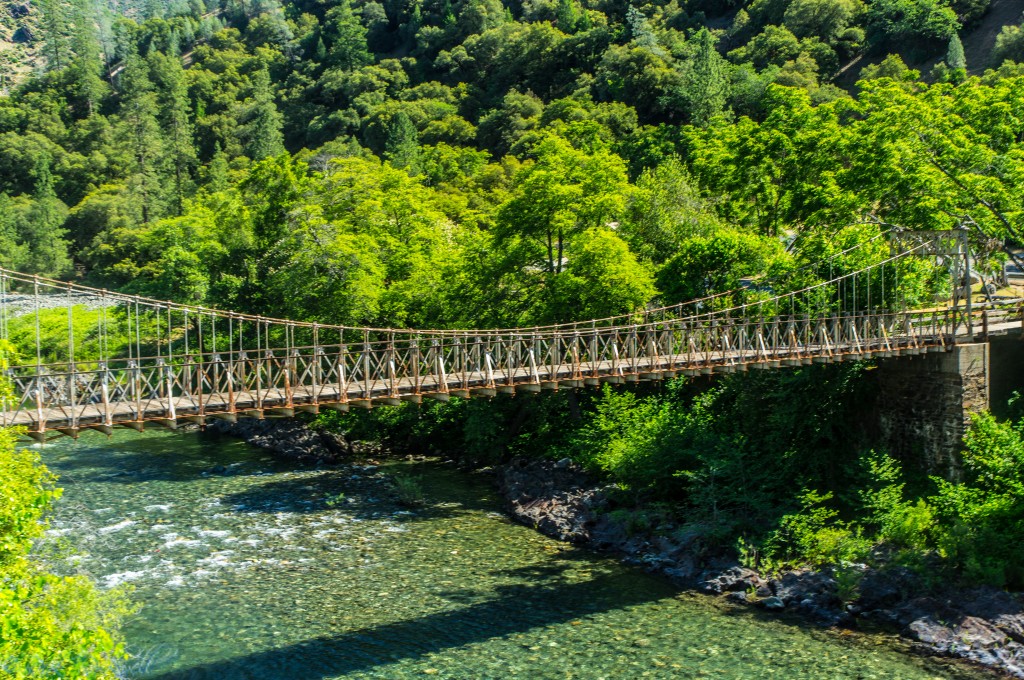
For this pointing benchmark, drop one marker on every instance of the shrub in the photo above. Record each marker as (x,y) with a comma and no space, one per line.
(53,626)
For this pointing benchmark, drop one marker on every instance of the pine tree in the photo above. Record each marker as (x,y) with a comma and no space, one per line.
(54,24)
(155,9)
(140,133)
(347,36)
(174,118)
(263,129)
(43,227)
(402,147)
(217,178)
(447,13)
(955,57)
(87,65)
(706,84)
(415,23)
(567,16)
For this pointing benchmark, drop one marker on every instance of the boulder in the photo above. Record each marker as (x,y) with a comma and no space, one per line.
(883,588)
(288,438)
(797,586)
(732,579)
(556,498)
(23,35)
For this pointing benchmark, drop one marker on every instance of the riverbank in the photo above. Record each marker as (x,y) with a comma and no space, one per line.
(981,625)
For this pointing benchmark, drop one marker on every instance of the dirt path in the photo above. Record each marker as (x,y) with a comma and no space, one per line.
(979,41)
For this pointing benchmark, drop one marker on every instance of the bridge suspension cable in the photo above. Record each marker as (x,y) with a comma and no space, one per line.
(128,360)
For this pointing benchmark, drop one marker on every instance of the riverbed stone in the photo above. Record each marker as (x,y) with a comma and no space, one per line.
(732,579)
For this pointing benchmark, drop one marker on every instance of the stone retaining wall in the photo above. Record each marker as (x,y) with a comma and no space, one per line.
(925,403)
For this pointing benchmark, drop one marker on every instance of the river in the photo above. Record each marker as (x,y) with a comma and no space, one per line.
(246,567)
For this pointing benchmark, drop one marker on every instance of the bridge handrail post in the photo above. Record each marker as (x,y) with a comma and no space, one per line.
(72,372)
(392,383)
(341,367)
(315,373)
(260,362)
(169,378)
(290,366)
(367,365)
(575,352)
(414,353)
(965,247)
(108,416)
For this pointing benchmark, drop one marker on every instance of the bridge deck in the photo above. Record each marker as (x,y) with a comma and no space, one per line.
(278,382)
(278,401)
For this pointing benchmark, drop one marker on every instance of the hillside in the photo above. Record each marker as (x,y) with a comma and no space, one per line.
(147,119)
(18,38)
(980,40)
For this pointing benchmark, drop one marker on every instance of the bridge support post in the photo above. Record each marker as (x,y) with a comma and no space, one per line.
(925,403)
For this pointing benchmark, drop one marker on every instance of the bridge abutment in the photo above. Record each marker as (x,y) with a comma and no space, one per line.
(925,403)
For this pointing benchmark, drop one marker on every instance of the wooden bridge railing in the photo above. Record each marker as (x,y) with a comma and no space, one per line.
(183,363)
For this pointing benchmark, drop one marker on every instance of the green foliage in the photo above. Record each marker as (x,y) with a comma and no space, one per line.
(968,525)
(705,85)
(825,19)
(915,21)
(955,57)
(1009,45)
(815,534)
(705,265)
(848,579)
(263,128)
(53,626)
(980,516)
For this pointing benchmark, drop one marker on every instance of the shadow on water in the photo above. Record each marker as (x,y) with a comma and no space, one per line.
(446,494)
(129,458)
(517,608)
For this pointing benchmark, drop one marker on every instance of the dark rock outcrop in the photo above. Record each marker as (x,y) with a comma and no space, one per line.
(23,35)
(293,439)
(556,498)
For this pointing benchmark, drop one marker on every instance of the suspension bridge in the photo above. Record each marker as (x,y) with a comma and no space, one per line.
(151,361)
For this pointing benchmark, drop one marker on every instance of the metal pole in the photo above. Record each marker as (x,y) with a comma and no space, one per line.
(967,276)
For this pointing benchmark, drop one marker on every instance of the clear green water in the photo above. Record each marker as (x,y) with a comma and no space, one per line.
(253,575)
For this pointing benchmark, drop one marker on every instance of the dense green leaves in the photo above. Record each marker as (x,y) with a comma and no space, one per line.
(50,626)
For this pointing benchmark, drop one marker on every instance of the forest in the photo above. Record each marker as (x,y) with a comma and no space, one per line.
(480,163)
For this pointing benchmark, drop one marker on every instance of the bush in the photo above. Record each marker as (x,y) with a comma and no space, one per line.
(1009,45)
(816,535)
(914,22)
(53,626)
(982,517)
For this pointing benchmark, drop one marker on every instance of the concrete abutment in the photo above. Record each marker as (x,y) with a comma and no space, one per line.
(925,403)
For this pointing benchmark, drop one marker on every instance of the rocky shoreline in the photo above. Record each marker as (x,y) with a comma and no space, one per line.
(982,625)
